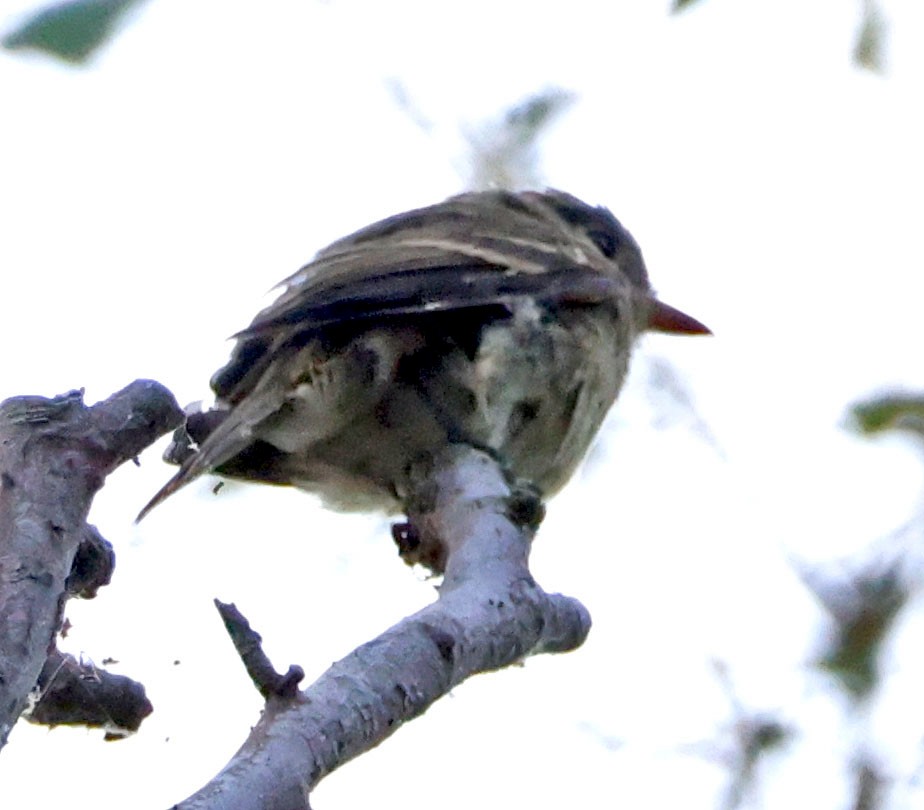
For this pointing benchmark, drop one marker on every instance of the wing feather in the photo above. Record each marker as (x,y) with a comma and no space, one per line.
(474,250)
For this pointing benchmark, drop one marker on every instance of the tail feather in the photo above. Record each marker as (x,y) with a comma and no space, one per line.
(180,480)
(227,440)
(215,451)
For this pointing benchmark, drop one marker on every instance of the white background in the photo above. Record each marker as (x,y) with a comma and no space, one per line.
(149,201)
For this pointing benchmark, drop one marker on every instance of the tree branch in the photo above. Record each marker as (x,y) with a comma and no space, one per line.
(74,693)
(248,644)
(490,613)
(54,456)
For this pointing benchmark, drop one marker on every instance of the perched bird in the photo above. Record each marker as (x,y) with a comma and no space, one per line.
(503,320)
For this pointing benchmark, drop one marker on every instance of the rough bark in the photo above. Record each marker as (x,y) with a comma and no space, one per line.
(54,456)
(466,519)
(77,693)
(490,613)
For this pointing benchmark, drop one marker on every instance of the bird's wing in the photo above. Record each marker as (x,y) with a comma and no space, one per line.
(484,249)
(474,250)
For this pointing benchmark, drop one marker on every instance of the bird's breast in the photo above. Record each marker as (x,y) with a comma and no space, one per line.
(533,386)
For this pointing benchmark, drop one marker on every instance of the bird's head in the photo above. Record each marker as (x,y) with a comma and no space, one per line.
(616,244)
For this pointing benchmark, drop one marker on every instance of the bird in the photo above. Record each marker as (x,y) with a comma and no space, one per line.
(503,320)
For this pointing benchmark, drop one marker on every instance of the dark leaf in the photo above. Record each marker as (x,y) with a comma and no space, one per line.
(862,608)
(890,412)
(71,30)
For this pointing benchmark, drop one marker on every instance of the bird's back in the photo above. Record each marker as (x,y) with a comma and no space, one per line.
(498,319)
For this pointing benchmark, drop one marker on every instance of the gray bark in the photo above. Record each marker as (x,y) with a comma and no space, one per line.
(54,456)
(490,613)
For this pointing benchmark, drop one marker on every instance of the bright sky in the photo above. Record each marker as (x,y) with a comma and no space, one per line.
(149,201)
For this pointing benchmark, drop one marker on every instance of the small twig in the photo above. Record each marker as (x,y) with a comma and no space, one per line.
(490,614)
(249,645)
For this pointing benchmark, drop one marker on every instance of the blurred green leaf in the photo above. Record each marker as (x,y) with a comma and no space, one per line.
(680,5)
(504,153)
(755,735)
(870,783)
(869,47)
(890,412)
(71,30)
(862,608)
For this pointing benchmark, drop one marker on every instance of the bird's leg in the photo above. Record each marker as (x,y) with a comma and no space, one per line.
(445,487)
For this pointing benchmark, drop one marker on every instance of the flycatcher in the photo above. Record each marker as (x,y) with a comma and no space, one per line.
(497,319)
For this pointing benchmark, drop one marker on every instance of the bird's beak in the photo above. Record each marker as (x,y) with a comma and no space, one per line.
(664,318)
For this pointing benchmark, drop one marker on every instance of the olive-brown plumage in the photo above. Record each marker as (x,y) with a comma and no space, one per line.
(504,320)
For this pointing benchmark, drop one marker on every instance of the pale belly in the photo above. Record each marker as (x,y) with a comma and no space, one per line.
(534,392)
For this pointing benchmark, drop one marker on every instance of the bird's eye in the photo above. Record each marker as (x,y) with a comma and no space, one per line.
(607,241)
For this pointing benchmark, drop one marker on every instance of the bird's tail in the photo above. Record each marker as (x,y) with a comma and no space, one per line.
(230,437)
